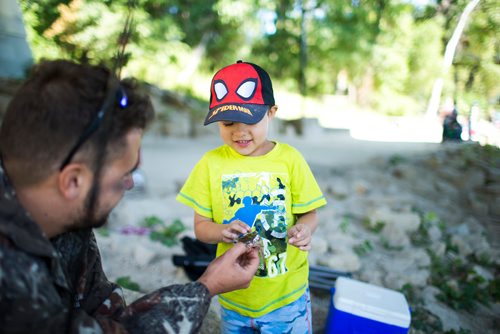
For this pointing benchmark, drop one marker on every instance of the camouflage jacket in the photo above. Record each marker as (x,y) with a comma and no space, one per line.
(58,285)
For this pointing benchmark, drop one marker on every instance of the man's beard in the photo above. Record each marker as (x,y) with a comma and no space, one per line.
(89,218)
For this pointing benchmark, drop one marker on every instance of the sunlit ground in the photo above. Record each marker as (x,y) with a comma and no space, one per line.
(338,112)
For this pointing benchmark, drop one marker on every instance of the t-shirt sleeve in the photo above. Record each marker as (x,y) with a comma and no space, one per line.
(196,191)
(306,193)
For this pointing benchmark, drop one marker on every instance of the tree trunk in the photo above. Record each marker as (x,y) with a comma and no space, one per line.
(15,53)
(449,54)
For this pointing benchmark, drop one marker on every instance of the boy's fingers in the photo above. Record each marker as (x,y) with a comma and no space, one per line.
(244,227)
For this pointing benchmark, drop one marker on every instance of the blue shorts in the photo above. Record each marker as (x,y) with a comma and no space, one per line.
(292,318)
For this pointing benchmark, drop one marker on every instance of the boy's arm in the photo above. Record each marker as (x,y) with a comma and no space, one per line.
(206,230)
(300,235)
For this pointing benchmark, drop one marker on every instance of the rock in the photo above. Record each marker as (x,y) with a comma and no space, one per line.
(361,187)
(396,280)
(474,178)
(483,272)
(319,245)
(131,296)
(463,246)
(494,207)
(449,318)
(395,236)
(343,262)
(447,190)
(404,221)
(435,233)
(211,323)
(478,203)
(143,255)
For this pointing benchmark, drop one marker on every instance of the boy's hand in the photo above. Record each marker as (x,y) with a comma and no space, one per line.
(234,230)
(300,236)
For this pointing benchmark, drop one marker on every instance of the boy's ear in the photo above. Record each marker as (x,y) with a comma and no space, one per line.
(272,111)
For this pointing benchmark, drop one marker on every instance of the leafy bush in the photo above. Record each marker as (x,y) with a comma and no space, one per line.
(166,234)
(127,283)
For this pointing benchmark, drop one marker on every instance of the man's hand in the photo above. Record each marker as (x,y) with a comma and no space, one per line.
(300,236)
(231,271)
(234,230)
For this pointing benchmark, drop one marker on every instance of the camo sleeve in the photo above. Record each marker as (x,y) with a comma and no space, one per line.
(35,299)
(174,309)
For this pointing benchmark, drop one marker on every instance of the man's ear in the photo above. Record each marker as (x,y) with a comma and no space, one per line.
(74,180)
(272,111)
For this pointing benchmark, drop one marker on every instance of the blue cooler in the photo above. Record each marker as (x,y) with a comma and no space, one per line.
(362,308)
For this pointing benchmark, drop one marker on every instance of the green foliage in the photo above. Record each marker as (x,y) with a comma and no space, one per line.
(127,283)
(363,248)
(390,51)
(344,225)
(461,287)
(375,227)
(387,245)
(103,231)
(421,236)
(165,234)
(152,221)
(396,159)
(421,319)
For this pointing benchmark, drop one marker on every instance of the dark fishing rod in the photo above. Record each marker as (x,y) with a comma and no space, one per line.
(115,99)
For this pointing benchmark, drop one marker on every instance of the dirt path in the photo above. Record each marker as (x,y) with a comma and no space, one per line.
(168,161)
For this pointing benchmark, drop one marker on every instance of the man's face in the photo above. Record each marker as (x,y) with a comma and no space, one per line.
(115,180)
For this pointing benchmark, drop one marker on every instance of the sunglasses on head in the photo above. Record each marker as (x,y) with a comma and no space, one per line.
(115,96)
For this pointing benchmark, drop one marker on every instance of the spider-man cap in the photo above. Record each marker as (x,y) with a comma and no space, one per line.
(240,92)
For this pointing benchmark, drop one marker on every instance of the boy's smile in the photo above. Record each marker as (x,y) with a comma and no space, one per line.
(243,143)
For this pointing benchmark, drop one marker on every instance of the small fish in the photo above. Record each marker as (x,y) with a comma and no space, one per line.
(250,239)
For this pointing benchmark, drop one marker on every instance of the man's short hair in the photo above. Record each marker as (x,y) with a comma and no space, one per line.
(50,111)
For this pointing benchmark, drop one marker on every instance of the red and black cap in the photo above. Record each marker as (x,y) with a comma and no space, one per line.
(241,92)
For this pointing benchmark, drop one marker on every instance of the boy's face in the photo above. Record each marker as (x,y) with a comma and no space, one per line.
(248,139)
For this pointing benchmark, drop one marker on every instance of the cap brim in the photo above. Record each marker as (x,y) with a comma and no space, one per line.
(241,113)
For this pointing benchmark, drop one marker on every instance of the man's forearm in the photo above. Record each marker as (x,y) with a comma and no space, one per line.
(172,309)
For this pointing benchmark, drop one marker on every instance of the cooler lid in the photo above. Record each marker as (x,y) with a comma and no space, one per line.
(371,302)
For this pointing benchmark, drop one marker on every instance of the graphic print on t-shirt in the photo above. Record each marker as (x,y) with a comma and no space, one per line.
(259,200)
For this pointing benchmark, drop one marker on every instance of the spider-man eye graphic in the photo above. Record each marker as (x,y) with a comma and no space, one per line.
(247,89)
(220,90)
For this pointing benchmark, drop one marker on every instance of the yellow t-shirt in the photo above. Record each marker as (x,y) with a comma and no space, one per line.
(265,192)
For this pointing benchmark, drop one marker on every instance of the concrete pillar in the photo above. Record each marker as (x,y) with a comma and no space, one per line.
(15,53)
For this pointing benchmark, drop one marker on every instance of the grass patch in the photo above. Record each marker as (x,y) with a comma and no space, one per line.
(127,283)
(376,227)
(363,248)
(165,234)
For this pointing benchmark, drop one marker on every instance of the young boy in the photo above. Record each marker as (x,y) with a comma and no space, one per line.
(253,184)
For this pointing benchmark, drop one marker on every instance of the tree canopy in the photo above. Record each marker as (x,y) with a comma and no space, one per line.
(384,53)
